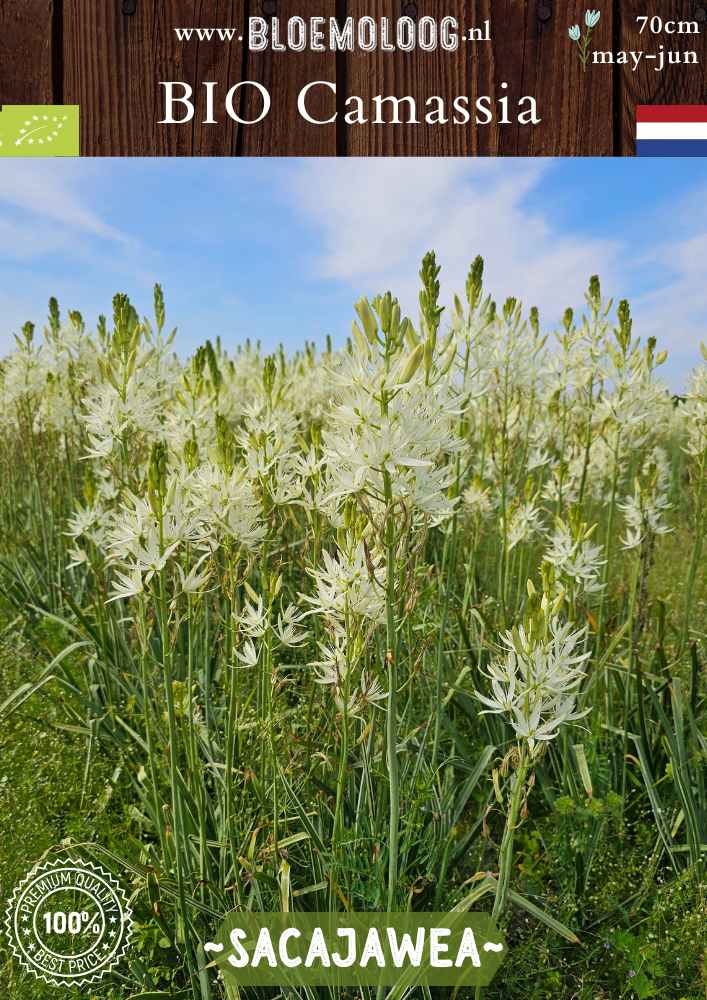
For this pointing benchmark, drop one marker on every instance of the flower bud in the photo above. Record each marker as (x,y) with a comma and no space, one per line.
(54,315)
(475,283)
(448,358)
(412,364)
(386,312)
(368,319)
(408,332)
(191,454)
(159,308)
(594,293)
(358,336)
(157,474)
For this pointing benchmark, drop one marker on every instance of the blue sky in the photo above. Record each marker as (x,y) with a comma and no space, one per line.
(279,249)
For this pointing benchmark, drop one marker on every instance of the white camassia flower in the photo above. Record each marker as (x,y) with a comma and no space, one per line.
(534,682)
(334,666)
(577,559)
(82,521)
(224,505)
(253,619)
(88,523)
(335,669)
(127,585)
(371,691)
(77,557)
(137,535)
(537,457)
(128,401)
(247,655)
(525,521)
(194,581)
(694,413)
(287,629)
(476,498)
(408,441)
(643,513)
(344,586)
(635,407)
(285,483)
(557,489)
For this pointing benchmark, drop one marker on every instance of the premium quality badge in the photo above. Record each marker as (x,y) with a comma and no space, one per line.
(68,922)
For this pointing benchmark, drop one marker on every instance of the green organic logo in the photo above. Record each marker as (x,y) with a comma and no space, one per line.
(357,949)
(39,130)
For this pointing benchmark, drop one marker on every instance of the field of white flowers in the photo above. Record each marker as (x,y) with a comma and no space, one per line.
(415,624)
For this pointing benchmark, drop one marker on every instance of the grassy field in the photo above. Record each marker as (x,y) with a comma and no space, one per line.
(415,625)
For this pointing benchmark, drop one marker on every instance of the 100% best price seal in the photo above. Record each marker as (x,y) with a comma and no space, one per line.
(68,922)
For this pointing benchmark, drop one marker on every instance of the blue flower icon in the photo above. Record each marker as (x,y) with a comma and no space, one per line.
(591,20)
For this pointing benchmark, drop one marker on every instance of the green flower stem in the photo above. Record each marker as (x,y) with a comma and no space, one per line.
(505,858)
(605,579)
(178,832)
(146,697)
(696,551)
(630,667)
(230,753)
(391,726)
(447,571)
(583,46)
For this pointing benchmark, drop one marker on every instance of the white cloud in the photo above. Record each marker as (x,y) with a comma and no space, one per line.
(378,217)
(54,242)
(48,195)
(671,262)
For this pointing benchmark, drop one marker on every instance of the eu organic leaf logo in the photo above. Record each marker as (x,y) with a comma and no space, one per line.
(39,130)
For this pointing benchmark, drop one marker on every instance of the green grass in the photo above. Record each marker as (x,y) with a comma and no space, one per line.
(637,919)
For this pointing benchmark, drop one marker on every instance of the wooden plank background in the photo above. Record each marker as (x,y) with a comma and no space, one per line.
(109,56)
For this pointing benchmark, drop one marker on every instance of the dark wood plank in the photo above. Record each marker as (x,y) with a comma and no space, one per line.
(26,69)
(114,63)
(284,131)
(530,51)
(677,84)
(576,105)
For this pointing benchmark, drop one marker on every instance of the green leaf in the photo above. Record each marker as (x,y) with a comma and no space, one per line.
(25,691)
(583,766)
(482,889)
(543,917)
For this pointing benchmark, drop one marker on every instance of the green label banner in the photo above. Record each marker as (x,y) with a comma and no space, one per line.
(357,949)
(39,130)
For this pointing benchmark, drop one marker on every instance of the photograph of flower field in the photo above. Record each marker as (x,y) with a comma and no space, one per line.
(416,622)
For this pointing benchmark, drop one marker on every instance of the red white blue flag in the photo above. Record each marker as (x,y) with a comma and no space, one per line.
(671,130)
